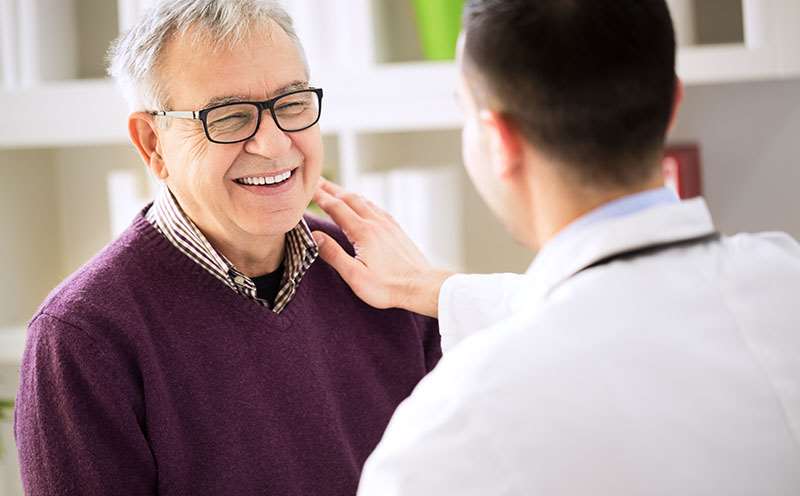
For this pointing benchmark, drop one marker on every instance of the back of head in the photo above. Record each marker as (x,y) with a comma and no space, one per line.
(591,84)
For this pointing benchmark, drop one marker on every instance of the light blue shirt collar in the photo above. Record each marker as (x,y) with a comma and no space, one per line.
(621,207)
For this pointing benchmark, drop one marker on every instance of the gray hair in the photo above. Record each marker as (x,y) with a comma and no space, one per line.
(134,56)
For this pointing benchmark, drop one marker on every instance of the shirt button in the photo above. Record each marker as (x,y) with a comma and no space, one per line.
(238,280)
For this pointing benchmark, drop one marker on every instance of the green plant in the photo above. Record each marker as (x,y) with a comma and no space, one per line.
(438,23)
(6,406)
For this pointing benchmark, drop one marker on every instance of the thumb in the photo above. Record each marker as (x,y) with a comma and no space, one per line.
(330,251)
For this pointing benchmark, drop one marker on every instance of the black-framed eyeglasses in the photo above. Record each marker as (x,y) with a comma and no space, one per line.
(239,121)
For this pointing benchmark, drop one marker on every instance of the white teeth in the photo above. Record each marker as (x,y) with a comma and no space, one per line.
(255,181)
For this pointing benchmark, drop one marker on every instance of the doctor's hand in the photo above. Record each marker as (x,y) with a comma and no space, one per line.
(388,270)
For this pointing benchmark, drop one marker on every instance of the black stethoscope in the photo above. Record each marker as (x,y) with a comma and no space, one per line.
(654,248)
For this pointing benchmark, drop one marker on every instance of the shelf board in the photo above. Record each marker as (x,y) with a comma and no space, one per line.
(714,64)
(416,96)
(393,97)
(64,113)
(12,345)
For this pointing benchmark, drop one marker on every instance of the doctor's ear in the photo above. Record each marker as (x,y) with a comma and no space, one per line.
(505,143)
(142,131)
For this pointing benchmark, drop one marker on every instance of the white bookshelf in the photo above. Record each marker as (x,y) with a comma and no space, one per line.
(767,49)
(384,109)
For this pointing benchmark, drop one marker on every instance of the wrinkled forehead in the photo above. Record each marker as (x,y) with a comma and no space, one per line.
(196,70)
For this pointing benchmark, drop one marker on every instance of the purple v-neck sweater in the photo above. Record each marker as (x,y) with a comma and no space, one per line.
(143,374)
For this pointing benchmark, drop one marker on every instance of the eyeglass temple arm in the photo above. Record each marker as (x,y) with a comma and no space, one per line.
(177,114)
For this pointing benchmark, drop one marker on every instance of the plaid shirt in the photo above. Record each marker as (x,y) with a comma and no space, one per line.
(301,251)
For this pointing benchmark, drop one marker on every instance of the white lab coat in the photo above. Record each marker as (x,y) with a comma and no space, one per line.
(672,373)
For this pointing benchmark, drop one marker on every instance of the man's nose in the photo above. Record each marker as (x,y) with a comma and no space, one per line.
(269,141)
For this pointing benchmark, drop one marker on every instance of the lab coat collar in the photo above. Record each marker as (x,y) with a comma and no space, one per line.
(563,257)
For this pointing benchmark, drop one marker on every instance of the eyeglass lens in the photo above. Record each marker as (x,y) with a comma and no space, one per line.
(238,121)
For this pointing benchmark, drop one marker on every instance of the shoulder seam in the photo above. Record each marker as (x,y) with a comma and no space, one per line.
(103,353)
(94,340)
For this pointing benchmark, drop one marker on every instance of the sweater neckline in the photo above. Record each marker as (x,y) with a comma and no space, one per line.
(179,262)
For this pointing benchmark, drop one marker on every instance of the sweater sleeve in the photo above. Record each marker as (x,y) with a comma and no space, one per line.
(431,341)
(77,421)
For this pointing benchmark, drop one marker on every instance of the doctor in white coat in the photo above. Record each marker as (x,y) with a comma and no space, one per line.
(642,353)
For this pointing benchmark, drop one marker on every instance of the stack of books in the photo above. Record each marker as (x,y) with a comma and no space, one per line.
(424,201)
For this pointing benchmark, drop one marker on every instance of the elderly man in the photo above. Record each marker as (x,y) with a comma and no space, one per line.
(208,350)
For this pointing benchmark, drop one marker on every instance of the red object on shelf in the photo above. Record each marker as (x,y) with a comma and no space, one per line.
(681,168)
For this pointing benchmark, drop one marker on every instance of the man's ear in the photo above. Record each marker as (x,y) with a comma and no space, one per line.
(142,130)
(676,103)
(505,142)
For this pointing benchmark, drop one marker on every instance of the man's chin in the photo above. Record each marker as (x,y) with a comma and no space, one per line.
(272,224)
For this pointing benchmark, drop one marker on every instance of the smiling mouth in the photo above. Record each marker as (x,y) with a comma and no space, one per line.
(265,180)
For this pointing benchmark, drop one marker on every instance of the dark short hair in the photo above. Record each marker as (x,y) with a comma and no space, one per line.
(589,82)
